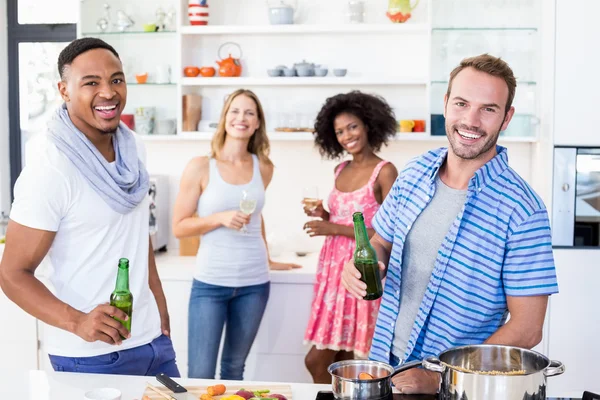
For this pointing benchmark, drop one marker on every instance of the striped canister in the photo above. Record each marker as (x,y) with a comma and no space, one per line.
(198,12)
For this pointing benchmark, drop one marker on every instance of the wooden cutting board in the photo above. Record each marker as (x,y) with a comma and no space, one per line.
(285,390)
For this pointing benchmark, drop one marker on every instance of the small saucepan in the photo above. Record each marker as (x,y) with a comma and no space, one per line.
(347,386)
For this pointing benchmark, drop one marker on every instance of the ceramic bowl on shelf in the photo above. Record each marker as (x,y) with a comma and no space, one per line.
(208,72)
(289,72)
(321,71)
(305,71)
(141,78)
(274,72)
(340,71)
(191,71)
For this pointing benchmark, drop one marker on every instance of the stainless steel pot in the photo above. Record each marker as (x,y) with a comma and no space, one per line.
(346,385)
(456,383)
(460,385)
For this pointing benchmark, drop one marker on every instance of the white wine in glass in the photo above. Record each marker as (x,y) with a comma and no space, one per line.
(247,206)
(311,204)
(311,198)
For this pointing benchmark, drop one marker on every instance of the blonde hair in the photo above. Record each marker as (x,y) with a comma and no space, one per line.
(491,65)
(259,142)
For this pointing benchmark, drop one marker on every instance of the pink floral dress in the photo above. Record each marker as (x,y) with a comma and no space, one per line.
(339,321)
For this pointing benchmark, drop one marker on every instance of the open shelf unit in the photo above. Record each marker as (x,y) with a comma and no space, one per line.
(408,80)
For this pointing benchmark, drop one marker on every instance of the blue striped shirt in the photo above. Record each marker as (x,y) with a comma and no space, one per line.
(498,246)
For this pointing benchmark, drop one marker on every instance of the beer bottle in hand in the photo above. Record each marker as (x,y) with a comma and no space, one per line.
(365,259)
(121,297)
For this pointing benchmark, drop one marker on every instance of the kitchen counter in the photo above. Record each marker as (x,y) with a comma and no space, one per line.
(173,267)
(41,385)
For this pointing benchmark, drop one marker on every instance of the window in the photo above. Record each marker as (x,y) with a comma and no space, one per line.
(37,32)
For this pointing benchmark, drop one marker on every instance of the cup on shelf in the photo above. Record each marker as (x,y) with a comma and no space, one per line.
(340,71)
(163,74)
(166,127)
(419,125)
(406,125)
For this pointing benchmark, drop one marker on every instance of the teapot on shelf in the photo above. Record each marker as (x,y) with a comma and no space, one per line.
(230,67)
(400,10)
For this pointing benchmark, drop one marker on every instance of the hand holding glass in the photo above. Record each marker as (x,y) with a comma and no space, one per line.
(311,198)
(247,206)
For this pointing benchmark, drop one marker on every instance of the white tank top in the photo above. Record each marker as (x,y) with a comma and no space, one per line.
(227,257)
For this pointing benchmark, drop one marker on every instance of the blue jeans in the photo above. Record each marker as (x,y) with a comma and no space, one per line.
(212,307)
(150,359)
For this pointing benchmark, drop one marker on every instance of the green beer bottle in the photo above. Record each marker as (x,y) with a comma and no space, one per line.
(121,297)
(365,259)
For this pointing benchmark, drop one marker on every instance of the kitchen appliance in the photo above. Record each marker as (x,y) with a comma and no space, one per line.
(490,372)
(160,228)
(576,197)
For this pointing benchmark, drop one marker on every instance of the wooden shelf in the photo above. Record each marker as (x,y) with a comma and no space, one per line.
(304,28)
(301,81)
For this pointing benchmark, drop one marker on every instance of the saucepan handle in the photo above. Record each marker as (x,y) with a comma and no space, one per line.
(405,367)
(555,368)
(433,364)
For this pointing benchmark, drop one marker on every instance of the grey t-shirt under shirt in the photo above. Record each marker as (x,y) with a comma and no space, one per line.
(420,252)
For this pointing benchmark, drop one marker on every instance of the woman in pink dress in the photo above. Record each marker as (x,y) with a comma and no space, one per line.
(341,327)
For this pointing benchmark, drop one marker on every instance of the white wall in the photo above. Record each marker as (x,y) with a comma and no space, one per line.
(4,152)
(298,164)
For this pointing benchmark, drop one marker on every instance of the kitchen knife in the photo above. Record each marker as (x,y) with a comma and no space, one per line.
(179,392)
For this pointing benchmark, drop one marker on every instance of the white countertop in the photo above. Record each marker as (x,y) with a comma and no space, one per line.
(41,385)
(181,268)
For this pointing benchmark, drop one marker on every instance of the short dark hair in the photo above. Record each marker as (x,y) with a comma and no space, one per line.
(78,47)
(372,110)
(491,65)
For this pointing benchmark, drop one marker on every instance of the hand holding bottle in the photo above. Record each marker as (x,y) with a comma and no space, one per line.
(99,324)
(351,279)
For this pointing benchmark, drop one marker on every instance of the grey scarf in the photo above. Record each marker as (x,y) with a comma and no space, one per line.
(123,185)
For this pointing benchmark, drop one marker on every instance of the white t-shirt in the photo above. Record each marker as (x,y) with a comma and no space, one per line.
(51,194)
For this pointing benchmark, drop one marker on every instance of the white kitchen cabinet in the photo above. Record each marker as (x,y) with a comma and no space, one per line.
(576,118)
(18,336)
(574,323)
(278,352)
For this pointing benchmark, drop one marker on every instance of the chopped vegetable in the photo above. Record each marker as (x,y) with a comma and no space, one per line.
(216,390)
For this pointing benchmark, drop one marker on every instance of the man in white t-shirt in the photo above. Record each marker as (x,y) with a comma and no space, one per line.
(82,201)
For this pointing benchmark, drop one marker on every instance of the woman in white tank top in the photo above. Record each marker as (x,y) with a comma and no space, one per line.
(231,280)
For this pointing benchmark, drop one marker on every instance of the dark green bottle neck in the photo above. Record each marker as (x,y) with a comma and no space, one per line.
(360,232)
(122,279)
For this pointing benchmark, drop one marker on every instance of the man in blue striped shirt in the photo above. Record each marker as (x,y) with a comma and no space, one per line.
(465,239)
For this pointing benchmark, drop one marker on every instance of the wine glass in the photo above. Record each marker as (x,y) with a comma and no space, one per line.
(247,206)
(311,198)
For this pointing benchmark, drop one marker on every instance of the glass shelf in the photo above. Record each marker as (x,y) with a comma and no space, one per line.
(524,29)
(150,84)
(98,33)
